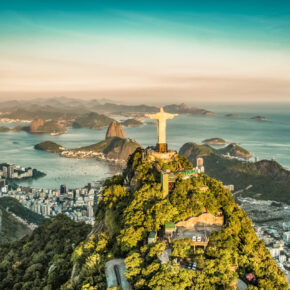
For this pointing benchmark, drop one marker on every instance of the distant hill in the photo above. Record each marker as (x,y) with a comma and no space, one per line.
(269,179)
(18,209)
(51,126)
(12,229)
(92,121)
(34,112)
(63,108)
(132,123)
(236,151)
(184,109)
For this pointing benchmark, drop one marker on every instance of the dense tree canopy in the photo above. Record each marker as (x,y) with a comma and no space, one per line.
(131,206)
(42,260)
(130,213)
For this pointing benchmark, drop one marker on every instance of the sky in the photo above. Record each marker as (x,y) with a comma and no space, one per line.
(146,50)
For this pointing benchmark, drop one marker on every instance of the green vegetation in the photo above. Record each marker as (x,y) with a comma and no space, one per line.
(236,151)
(12,229)
(18,209)
(42,260)
(127,215)
(268,178)
(92,121)
(49,146)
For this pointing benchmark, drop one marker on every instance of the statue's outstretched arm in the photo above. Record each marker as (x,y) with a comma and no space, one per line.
(170,116)
(150,116)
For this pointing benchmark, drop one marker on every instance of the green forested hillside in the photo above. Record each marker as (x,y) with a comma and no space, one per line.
(268,178)
(12,229)
(92,121)
(127,215)
(18,209)
(42,260)
(61,255)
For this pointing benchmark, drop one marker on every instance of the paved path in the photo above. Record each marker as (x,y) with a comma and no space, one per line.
(111,276)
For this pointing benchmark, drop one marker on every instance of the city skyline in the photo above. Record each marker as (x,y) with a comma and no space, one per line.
(126,51)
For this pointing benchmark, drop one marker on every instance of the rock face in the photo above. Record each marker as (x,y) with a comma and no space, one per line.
(33,128)
(115,130)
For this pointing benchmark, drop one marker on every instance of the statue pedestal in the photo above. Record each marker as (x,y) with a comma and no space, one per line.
(162,147)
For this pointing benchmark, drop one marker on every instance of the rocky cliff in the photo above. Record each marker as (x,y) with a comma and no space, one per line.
(115,130)
(35,125)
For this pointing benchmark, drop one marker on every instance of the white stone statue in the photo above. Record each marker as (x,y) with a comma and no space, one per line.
(161,118)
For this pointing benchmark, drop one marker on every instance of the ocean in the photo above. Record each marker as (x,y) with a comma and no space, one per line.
(264,139)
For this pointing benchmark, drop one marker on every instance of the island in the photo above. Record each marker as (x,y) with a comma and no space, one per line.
(83,113)
(132,123)
(215,141)
(232,115)
(49,146)
(259,118)
(115,148)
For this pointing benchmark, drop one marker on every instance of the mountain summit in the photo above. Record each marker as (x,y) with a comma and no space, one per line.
(115,130)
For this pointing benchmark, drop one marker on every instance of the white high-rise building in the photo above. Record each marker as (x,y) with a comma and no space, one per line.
(199,165)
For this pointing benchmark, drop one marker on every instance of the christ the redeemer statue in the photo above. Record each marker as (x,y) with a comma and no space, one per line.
(161,118)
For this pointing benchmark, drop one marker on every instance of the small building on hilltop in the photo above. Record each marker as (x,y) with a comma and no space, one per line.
(152,238)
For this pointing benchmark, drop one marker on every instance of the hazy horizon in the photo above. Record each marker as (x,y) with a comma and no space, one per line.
(154,52)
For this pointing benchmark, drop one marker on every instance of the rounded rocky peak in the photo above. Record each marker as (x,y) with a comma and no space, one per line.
(115,130)
(35,124)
